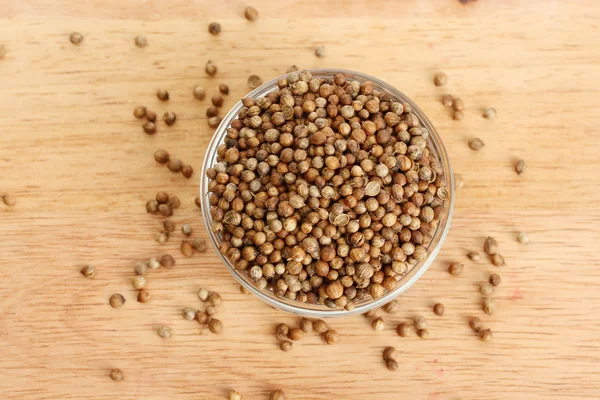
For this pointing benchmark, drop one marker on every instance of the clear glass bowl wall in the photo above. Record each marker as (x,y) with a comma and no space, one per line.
(434,144)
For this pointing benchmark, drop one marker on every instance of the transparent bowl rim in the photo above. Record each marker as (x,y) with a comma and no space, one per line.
(321,311)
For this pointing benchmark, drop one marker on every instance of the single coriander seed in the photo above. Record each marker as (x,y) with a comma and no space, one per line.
(438,309)
(149,128)
(475,324)
(199,92)
(278,393)
(403,329)
(224,89)
(164,332)
(331,336)
(116,300)
(202,317)
(423,333)
(296,334)
(167,261)
(306,325)
(203,294)
(162,237)
(210,68)
(187,171)
(391,307)
(175,165)
(141,41)
(495,279)
(143,296)
(458,104)
(199,245)
(210,310)
(76,38)
(139,112)
(497,260)
(440,79)
(486,288)
(214,298)
(285,345)
(378,324)
(485,335)
(320,51)
(214,28)
(150,115)
(165,210)
(520,167)
(474,256)
(153,263)
(9,200)
(458,115)
(138,282)
(162,94)
(161,156)
(189,313)
(389,352)
(254,81)
(447,100)
(391,364)
(455,268)
(169,117)
(523,238)
(243,290)
(420,323)
(489,305)
(116,375)
(459,181)
(320,326)
(235,395)
(490,246)
(476,144)
(168,225)
(217,100)
(89,271)
(489,113)
(197,202)
(186,248)
(186,229)
(251,14)
(140,268)
(214,122)
(215,326)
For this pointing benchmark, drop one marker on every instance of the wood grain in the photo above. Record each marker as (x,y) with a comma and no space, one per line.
(81,169)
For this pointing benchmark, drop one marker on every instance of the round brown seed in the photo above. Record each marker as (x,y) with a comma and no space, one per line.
(141,41)
(285,345)
(149,128)
(167,261)
(210,68)
(489,306)
(520,167)
(187,170)
(486,288)
(214,28)
(296,334)
(331,337)
(254,81)
(438,309)
(76,38)
(164,332)
(306,325)
(423,333)
(116,375)
(475,324)
(116,300)
(495,279)
(9,200)
(320,326)
(144,296)
(420,323)
(476,144)
(89,271)
(162,94)
(497,260)
(251,14)
(440,78)
(161,156)
(489,113)
(139,112)
(485,335)
(215,326)
(199,92)
(391,364)
(389,352)
(224,89)
(169,117)
(320,51)
(276,394)
(474,256)
(403,329)
(455,268)
(378,324)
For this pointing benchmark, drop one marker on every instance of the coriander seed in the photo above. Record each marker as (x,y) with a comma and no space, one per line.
(141,41)
(139,112)
(275,394)
(320,326)
(214,298)
(161,156)
(9,200)
(210,68)
(485,335)
(331,336)
(164,332)
(116,375)
(391,307)
(378,324)
(187,170)
(210,311)
(243,290)
(476,144)
(167,261)
(306,325)
(474,256)
(202,317)
(389,352)
(168,225)
(490,246)
(199,92)
(497,260)
(235,395)
(162,94)
(197,202)
(254,81)
(214,28)
(423,333)
(224,89)
(215,325)
(143,296)
(447,100)
(440,79)
(116,300)
(420,323)
(165,210)
(486,288)
(153,263)
(89,271)
(458,104)
(186,248)
(285,345)
(76,38)
(459,181)
(320,51)
(199,244)
(214,122)
(282,330)
(296,334)
(523,238)
(175,165)
(455,268)
(489,305)
(495,279)
(489,113)
(186,229)
(438,309)
(251,14)
(188,313)
(391,364)
(403,329)
(149,128)
(150,116)
(169,117)
(217,100)
(520,167)
(203,294)
(140,268)
(162,237)
(475,324)
(138,282)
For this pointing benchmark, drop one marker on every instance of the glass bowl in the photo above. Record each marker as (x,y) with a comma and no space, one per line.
(434,144)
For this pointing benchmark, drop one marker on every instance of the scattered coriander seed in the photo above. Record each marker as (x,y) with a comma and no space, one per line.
(440,79)
(116,375)
(251,14)
(169,117)
(165,210)
(475,324)
(378,324)
(199,92)
(215,325)
(282,330)
(420,323)
(188,313)
(150,116)
(174,201)
(459,182)
(320,51)
(153,263)
(457,115)
(116,300)
(485,335)
(214,28)
(254,81)
(138,282)
(210,68)
(162,94)
(203,294)
(306,325)
(162,197)
(447,100)
(391,364)
(9,200)
(296,334)
(489,305)
(197,202)
(140,268)
(235,395)
(403,329)
(489,113)
(476,144)
(320,326)
(174,165)
(76,38)
(486,288)
(161,156)
(523,238)
(186,229)
(423,333)
(162,237)
(168,225)
(214,122)
(224,89)
(439,309)
(285,345)
(458,104)
(490,246)
(370,314)
(151,206)
(141,41)
(243,290)
(497,260)
(89,271)
(391,307)
(217,100)
(199,244)
(331,336)
(164,332)
(167,261)
(389,352)
(187,170)
(455,268)
(210,310)
(143,296)
(495,279)
(474,256)
(139,112)
(186,248)
(149,128)
(214,298)
(202,317)
(275,394)
(520,167)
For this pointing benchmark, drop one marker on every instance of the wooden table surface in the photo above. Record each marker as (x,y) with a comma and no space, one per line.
(81,169)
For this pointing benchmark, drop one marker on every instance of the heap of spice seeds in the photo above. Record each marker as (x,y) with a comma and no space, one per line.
(325,191)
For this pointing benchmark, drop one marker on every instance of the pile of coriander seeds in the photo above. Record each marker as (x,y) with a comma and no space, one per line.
(326,191)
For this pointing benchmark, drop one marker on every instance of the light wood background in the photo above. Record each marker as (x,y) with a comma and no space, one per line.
(82,169)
